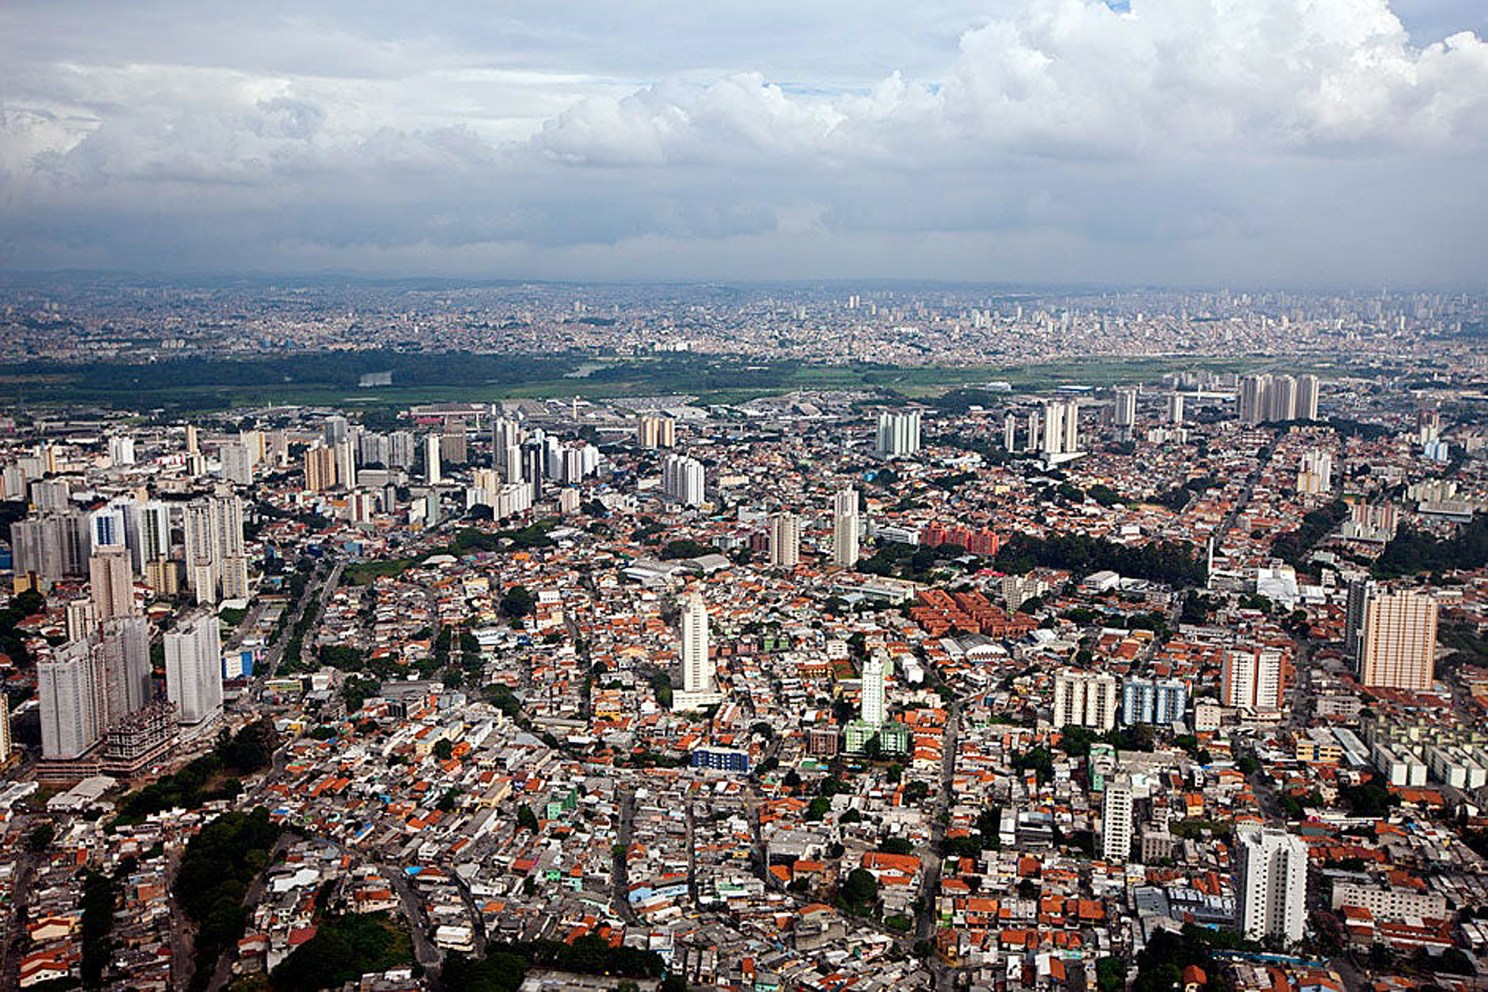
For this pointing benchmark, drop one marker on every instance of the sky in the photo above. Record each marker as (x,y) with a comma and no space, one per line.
(1291,143)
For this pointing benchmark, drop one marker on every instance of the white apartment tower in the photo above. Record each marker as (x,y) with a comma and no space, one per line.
(898,434)
(845,528)
(1270,882)
(873,710)
(1252,678)
(432,474)
(682,480)
(70,686)
(1116,819)
(1126,406)
(193,669)
(1085,699)
(126,667)
(699,683)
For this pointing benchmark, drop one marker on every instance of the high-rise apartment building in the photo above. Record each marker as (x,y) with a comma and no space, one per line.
(845,528)
(785,539)
(432,473)
(699,682)
(1253,678)
(1398,644)
(1061,429)
(656,432)
(1270,883)
(1084,699)
(193,669)
(682,480)
(1125,413)
(898,434)
(1155,701)
(126,666)
(1360,588)
(111,582)
(237,464)
(874,707)
(70,688)
(1117,819)
(320,469)
(1309,388)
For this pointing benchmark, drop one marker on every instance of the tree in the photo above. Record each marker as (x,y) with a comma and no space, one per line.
(1110,974)
(41,836)
(444,750)
(860,891)
(517,603)
(526,819)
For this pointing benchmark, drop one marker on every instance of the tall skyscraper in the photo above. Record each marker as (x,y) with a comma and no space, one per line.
(121,449)
(1175,408)
(1251,398)
(320,469)
(111,582)
(1360,588)
(874,710)
(699,682)
(335,430)
(432,473)
(1270,882)
(155,533)
(785,539)
(70,687)
(1061,429)
(1398,650)
(1117,819)
(1252,678)
(237,464)
(1155,701)
(53,546)
(1308,391)
(193,669)
(344,452)
(1281,399)
(682,480)
(1084,699)
(1126,406)
(656,432)
(126,667)
(898,434)
(845,528)
(1010,432)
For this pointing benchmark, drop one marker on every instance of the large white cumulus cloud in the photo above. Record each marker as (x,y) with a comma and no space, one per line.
(1180,139)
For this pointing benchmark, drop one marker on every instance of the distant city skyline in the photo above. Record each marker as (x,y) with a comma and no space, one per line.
(1276,142)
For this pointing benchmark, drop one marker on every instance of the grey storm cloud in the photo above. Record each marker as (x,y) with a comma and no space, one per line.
(1281,141)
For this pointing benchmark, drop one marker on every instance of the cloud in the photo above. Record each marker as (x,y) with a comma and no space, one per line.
(1176,140)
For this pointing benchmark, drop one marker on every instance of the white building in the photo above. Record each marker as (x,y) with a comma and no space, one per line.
(699,683)
(1085,699)
(70,687)
(1116,819)
(193,669)
(1270,882)
(898,434)
(845,528)
(682,480)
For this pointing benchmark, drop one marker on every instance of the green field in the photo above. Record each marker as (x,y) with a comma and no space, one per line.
(331,379)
